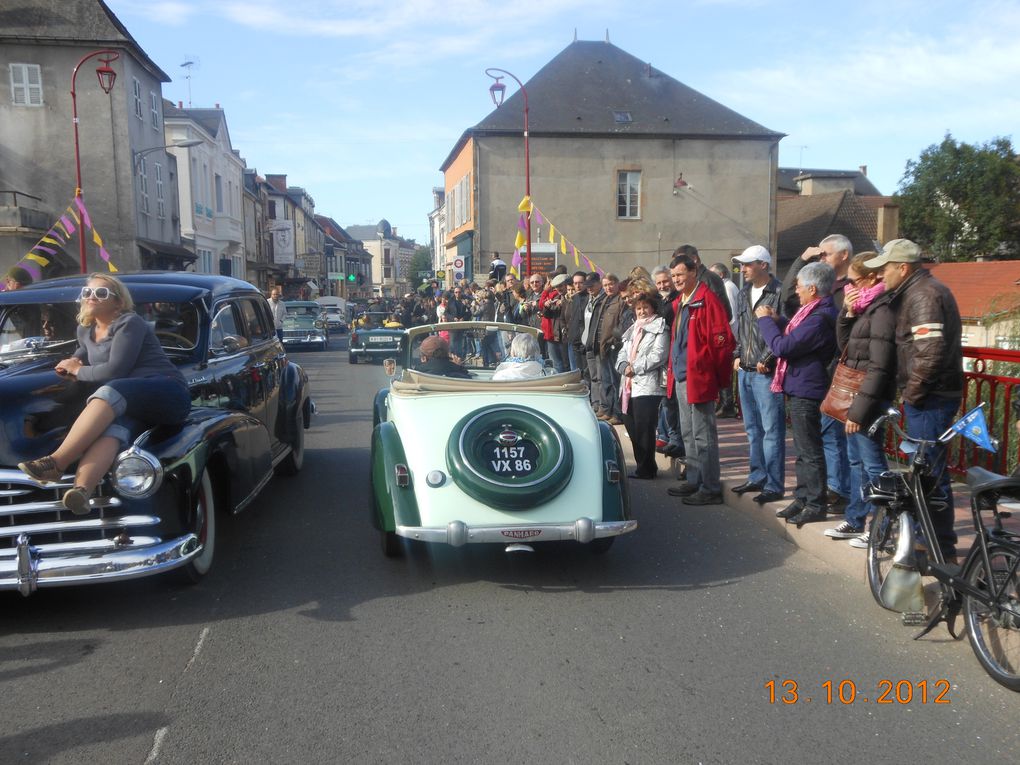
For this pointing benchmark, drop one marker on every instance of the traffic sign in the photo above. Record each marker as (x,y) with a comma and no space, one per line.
(440,274)
(426,274)
(458,275)
(458,263)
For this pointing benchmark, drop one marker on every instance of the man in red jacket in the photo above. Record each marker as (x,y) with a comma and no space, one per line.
(700,364)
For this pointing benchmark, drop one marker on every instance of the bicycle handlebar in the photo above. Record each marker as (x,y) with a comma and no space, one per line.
(892,416)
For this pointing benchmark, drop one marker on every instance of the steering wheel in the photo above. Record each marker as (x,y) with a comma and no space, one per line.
(181,340)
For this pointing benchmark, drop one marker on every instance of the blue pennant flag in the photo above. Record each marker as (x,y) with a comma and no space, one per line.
(974,426)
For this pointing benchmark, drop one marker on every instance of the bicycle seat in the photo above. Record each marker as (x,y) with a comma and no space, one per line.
(980,480)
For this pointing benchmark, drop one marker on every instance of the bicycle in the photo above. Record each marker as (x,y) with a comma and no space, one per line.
(985,587)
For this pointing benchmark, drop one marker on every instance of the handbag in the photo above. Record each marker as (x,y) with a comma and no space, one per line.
(846,383)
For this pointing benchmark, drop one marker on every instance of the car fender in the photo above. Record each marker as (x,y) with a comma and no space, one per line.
(236,445)
(380,407)
(293,393)
(391,505)
(615,495)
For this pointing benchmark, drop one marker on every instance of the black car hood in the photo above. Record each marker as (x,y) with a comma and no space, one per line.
(37,406)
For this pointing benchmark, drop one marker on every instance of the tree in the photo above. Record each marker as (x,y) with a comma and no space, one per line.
(960,201)
(421,261)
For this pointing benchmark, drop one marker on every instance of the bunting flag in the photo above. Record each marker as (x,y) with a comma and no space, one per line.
(76,216)
(566,247)
(974,426)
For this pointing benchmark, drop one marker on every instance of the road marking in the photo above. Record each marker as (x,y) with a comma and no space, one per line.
(156,744)
(198,648)
(157,740)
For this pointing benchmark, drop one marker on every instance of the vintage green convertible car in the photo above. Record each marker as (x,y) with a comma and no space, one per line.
(477,460)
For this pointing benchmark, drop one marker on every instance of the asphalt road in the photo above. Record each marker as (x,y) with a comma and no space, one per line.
(305,644)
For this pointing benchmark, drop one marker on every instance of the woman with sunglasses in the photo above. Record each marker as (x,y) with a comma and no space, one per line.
(138,387)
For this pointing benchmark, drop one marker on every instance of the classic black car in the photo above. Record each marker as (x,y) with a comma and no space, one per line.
(156,509)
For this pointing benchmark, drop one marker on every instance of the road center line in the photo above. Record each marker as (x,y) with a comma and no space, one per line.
(198,648)
(157,742)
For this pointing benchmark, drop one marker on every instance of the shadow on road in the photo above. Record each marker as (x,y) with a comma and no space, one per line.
(44,743)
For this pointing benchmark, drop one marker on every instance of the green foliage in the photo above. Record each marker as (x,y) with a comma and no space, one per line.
(420,261)
(960,201)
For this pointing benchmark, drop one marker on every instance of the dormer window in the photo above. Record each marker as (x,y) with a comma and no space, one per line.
(622,118)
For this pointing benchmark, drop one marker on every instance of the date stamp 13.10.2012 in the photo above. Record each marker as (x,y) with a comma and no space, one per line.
(846,691)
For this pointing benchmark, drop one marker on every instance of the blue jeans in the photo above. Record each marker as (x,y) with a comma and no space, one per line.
(701,441)
(764,414)
(573,359)
(806,421)
(141,402)
(929,420)
(837,466)
(609,379)
(867,462)
(555,349)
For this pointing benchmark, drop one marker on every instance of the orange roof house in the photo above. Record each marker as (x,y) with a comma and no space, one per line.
(988,295)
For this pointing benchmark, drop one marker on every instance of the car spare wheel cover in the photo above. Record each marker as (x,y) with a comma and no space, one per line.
(509,457)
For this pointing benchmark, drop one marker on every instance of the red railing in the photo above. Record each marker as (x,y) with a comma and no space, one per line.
(990,375)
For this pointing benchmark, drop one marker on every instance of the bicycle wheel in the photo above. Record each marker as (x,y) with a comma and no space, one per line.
(994,630)
(882,541)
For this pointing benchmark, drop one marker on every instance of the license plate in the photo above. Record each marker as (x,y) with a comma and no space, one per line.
(510,461)
(372,339)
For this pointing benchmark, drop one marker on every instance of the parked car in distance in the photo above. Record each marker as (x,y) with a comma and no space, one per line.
(303,325)
(334,320)
(372,339)
(157,508)
(476,460)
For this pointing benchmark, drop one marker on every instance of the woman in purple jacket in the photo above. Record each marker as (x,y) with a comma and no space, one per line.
(138,386)
(804,347)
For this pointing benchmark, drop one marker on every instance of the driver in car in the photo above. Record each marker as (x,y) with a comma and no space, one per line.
(434,355)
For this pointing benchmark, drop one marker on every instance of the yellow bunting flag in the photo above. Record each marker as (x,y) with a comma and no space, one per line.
(552,233)
(38,259)
(563,244)
(519,241)
(525,205)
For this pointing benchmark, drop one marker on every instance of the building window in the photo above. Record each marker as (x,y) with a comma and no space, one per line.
(136,88)
(622,118)
(143,185)
(387,272)
(387,258)
(628,194)
(26,85)
(154,110)
(160,198)
(272,209)
(218,181)
(205,261)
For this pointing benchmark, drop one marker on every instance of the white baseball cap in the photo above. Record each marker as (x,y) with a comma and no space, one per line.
(753,253)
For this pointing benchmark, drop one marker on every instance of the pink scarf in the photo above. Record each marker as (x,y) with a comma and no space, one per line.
(635,341)
(865,296)
(781,363)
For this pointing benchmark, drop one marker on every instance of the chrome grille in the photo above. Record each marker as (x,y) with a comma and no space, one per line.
(36,511)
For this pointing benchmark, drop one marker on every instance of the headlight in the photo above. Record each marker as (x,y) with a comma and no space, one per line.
(137,473)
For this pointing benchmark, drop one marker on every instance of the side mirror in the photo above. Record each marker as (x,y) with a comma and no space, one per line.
(231,345)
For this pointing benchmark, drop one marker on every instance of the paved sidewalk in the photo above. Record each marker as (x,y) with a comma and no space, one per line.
(811,537)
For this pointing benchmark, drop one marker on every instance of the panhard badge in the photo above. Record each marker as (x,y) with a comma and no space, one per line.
(508,437)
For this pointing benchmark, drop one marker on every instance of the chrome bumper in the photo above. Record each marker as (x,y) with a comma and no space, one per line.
(304,340)
(457,533)
(82,563)
(374,350)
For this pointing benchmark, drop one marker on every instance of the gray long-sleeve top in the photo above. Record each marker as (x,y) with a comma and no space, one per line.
(130,350)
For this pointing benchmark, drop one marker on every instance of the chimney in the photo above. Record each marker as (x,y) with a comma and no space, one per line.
(218,106)
(180,104)
(862,168)
(278,182)
(888,223)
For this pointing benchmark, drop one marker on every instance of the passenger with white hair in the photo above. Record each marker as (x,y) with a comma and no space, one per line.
(524,362)
(804,346)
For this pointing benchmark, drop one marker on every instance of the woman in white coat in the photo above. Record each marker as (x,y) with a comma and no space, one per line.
(640,362)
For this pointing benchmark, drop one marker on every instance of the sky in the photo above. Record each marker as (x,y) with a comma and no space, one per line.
(360,101)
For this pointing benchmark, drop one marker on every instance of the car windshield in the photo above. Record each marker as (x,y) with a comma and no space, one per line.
(372,320)
(487,351)
(34,327)
(303,310)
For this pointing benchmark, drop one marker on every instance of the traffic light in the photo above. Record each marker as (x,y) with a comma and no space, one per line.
(361,279)
(351,277)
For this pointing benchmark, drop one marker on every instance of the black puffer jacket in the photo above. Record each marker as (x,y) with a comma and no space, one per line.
(929,359)
(870,344)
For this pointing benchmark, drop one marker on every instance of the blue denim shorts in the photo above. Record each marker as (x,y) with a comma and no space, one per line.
(142,402)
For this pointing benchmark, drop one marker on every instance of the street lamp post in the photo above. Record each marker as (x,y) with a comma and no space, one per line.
(498,90)
(175,145)
(107,76)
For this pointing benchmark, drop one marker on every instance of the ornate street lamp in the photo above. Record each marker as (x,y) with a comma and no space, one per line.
(498,90)
(107,76)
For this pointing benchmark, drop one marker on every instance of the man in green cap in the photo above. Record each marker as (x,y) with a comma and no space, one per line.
(929,363)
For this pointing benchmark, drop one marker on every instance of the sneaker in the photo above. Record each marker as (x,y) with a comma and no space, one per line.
(660,445)
(845,530)
(702,497)
(860,541)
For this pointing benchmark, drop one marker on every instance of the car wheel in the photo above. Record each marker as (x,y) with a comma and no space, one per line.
(203,525)
(391,545)
(295,460)
(601,545)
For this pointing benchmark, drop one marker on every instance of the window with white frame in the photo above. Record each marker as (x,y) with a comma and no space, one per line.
(26,85)
(160,198)
(218,181)
(154,110)
(143,185)
(136,89)
(628,194)
(237,266)
(205,261)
